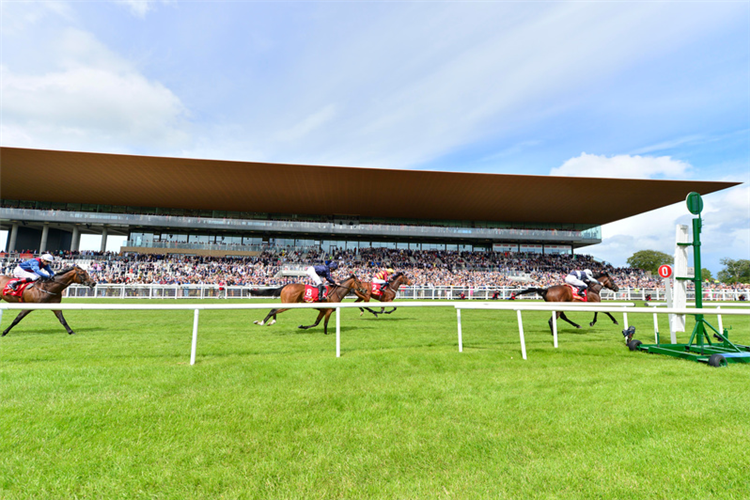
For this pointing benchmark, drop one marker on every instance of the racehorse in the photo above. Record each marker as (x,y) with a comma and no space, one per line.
(389,293)
(47,291)
(563,293)
(294,292)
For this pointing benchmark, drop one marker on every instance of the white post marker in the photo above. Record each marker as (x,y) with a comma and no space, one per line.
(666,273)
(679,292)
(338,332)
(520,333)
(195,337)
(554,328)
(460,339)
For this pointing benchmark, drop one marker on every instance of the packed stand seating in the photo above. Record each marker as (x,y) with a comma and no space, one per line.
(425,268)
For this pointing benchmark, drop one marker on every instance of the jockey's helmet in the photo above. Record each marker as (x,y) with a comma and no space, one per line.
(333,265)
(390,270)
(48,257)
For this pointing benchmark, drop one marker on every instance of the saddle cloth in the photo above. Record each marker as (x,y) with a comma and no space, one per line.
(576,296)
(311,293)
(376,289)
(18,292)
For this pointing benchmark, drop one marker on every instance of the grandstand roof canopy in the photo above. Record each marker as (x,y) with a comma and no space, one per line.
(144,181)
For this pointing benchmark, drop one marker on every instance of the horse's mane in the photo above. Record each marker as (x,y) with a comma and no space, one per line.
(601,275)
(397,275)
(66,270)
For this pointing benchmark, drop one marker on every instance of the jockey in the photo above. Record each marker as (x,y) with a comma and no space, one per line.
(580,280)
(33,269)
(381,278)
(316,273)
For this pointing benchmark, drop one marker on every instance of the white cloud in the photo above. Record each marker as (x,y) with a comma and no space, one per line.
(138,7)
(726,214)
(624,167)
(93,93)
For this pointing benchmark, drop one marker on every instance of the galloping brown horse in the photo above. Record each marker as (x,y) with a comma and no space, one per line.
(388,295)
(294,292)
(47,291)
(563,293)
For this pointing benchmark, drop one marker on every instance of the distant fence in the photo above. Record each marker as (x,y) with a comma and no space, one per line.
(132,291)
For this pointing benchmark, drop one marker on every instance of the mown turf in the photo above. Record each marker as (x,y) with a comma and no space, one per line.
(116,411)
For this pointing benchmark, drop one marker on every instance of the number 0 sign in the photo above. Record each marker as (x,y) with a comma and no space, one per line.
(665,271)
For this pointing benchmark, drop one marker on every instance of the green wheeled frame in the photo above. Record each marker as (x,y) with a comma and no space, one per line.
(699,348)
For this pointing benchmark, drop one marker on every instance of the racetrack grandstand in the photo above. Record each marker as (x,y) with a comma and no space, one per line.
(230,208)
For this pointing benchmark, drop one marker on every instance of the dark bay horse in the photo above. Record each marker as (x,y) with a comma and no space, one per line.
(47,291)
(563,293)
(388,295)
(294,292)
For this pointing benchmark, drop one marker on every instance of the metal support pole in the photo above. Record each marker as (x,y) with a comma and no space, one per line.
(45,235)
(12,239)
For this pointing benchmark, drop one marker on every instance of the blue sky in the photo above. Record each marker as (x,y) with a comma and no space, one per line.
(656,90)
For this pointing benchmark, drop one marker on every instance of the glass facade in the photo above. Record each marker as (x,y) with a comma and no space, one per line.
(257,231)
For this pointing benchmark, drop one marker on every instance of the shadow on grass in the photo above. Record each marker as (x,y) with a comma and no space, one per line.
(20,330)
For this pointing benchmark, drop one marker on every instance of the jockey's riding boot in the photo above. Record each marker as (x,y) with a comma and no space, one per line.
(582,291)
(383,288)
(321,290)
(13,286)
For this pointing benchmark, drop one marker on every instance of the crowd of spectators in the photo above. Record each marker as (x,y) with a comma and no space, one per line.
(424,268)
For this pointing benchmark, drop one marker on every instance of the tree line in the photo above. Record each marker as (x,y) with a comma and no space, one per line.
(735,271)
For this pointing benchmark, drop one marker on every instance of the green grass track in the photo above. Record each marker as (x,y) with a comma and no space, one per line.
(117,412)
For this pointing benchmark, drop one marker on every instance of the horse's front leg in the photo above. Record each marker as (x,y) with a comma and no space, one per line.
(20,316)
(389,312)
(361,310)
(325,324)
(594,322)
(317,321)
(271,314)
(64,323)
(565,318)
(612,318)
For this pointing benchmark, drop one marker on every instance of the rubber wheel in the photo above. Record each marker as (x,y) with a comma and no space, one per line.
(717,360)
(633,345)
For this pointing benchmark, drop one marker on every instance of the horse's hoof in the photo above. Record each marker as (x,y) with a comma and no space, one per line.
(258,322)
(271,322)
(71,333)
(591,324)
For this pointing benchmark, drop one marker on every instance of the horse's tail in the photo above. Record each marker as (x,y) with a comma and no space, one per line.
(540,291)
(270,292)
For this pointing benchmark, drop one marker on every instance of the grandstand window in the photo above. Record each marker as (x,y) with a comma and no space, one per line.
(531,249)
(284,242)
(174,238)
(558,249)
(305,243)
(198,238)
(252,240)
